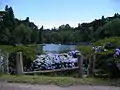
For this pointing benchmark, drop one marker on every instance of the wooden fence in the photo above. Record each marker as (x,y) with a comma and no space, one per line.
(50,71)
(19,66)
(79,68)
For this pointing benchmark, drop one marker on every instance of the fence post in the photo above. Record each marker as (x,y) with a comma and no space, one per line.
(93,67)
(0,62)
(19,63)
(80,64)
(6,64)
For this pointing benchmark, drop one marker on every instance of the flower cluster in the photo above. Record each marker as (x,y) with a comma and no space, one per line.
(117,51)
(55,61)
(98,49)
(1,59)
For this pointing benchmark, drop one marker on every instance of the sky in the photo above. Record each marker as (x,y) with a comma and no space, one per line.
(53,13)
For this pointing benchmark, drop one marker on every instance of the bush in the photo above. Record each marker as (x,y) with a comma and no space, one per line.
(114,41)
(107,63)
(29,53)
(86,52)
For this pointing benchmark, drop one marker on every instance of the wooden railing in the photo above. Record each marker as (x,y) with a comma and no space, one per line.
(21,71)
(49,71)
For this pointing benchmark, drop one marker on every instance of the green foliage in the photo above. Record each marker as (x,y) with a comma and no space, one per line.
(112,28)
(14,31)
(85,49)
(86,52)
(29,53)
(105,61)
(22,34)
(106,52)
(6,48)
(107,64)
(85,32)
(30,50)
(113,40)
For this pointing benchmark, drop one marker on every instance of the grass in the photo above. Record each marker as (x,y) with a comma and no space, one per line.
(6,48)
(10,48)
(60,81)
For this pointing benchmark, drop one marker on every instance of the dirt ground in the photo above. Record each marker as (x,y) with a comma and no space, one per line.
(14,86)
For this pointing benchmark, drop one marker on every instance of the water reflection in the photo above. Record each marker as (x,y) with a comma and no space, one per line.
(57,48)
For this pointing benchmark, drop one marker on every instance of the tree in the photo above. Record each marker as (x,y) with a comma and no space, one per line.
(111,28)
(4,36)
(12,30)
(22,34)
(40,34)
(35,36)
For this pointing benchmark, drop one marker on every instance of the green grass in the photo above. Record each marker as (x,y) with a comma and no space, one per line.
(10,49)
(61,81)
(6,48)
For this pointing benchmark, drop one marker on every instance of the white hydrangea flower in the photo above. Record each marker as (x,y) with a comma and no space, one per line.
(53,61)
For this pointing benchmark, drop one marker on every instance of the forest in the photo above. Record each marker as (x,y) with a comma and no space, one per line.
(14,31)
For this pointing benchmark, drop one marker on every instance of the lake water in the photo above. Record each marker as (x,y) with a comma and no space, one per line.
(57,48)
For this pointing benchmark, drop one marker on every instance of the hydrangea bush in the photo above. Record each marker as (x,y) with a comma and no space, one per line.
(117,52)
(55,61)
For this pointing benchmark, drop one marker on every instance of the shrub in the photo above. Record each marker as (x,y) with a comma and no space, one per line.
(29,53)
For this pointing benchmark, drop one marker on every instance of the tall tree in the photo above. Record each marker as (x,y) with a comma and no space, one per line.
(40,34)
(22,34)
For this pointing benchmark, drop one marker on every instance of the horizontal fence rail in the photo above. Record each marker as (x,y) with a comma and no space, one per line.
(49,71)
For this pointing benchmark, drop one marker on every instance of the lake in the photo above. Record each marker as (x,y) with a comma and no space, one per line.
(57,48)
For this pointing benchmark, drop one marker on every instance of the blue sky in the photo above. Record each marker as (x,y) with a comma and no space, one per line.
(53,13)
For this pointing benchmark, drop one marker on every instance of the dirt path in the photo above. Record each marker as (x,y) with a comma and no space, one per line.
(13,86)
